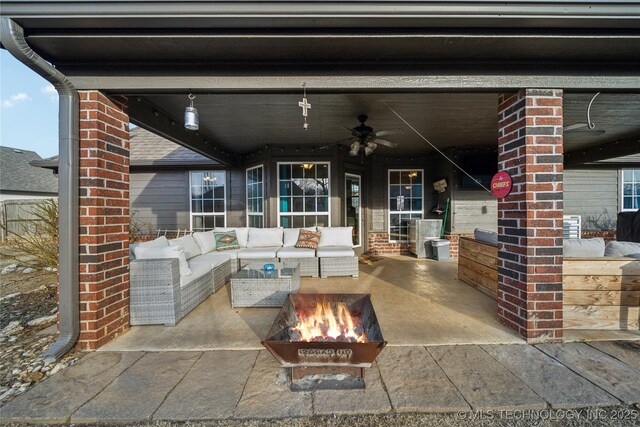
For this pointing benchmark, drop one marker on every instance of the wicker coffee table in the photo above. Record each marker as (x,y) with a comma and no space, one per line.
(254,287)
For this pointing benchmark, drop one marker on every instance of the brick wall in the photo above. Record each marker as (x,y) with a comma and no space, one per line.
(379,245)
(530,218)
(607,235)
(454,244)
(104,220)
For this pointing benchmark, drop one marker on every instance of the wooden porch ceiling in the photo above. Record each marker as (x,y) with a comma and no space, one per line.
(241,123)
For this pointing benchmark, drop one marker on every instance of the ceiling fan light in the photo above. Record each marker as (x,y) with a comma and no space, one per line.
(355,147)
(368,150)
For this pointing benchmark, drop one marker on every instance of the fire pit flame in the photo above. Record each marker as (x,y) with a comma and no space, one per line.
(329,321)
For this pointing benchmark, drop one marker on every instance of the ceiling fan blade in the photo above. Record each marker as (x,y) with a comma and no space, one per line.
(575,126)
(385,143)
(385,132)
(347,141)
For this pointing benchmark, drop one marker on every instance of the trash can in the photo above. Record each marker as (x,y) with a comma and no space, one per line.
(440,249)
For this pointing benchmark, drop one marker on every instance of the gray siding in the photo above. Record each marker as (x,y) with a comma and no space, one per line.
(161,199)
(594,195)
(473,209)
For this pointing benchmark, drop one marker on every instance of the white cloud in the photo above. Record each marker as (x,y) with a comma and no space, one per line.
(15,99)
(50,90)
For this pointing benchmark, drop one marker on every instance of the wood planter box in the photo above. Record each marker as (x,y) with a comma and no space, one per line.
(599,293)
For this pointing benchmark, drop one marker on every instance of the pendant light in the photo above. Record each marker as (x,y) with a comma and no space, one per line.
(191,117)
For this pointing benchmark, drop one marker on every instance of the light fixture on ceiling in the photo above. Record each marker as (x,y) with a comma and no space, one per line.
(307,166)
(369,148)
(191,117)
(355,147)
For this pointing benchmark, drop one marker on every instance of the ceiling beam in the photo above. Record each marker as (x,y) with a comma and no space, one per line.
(609,150)
(235,82)
(147,115)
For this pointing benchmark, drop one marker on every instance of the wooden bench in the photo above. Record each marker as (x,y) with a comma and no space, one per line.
(599,293)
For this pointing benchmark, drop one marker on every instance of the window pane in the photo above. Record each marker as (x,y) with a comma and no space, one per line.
(416,190)
(309,187)
(207,192)
(323,204)
(285,188)
(322,187)
(322,221)
(285,204)
(297,171)
(627,175)
(322,171)
(285,171)
(310,204)
(310,171)
(298,221)
(394,191)
(196,205)
(196,192)
(207,206)
(218,192)
(405,177)
(297,187)
(628,189)
(209,222)
(298,204)
(405,191)
(198,222)
(285,221)
(416,204)
(219,206)
(394,177)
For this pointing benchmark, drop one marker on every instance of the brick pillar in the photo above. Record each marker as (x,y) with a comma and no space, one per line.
(530,218)
(104,220)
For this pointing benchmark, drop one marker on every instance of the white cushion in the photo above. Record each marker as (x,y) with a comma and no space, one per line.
(160,242)
(583,248)
(336,236)
(622,249)
(199,269)
(214,259)
(242,233)
(206,240)
(335,251)
(188,244)
(291,235)
(249,253)
(168,252)
(290,252)
(265,237)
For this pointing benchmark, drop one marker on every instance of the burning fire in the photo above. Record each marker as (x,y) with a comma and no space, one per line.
(331,321)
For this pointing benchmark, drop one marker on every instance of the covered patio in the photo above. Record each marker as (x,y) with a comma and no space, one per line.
(418,303)
(247,66)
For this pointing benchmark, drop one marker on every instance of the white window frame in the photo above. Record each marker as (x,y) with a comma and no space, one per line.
(359,177)
(300,162)
(191,213)
(247,194)
(621,190)
(389,197)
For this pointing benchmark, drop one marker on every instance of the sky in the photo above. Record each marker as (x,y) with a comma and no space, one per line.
(28,109)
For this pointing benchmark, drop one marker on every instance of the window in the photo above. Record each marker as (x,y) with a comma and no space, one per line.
(255,197)
(303,194)
(405,201)
(630,189)
(208,200)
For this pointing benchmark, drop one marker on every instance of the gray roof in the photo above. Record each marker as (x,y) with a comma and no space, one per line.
(149,149)
(17,175)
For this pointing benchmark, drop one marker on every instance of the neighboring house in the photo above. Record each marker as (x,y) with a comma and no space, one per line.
(20,180)
(159,181)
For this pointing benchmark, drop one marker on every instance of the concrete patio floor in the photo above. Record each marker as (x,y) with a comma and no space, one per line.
(132,387)
(418,302)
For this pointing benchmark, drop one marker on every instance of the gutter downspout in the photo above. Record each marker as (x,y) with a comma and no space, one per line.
(13,40)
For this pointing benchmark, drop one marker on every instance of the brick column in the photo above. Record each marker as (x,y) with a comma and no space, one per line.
(530,218)
(104,220)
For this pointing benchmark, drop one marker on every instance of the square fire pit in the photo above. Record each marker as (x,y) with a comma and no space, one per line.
(326,339)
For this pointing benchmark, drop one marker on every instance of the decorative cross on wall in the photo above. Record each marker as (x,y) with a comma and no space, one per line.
(306,106)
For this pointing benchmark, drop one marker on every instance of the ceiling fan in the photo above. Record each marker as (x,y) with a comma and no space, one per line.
(589,125)
(365,137)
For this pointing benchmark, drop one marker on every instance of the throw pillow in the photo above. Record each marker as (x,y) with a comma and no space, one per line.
(226,241)
(308,239)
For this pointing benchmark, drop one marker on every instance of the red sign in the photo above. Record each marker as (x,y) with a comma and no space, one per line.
(501,185)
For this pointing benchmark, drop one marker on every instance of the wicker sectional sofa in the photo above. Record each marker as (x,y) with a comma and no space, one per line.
(169,278)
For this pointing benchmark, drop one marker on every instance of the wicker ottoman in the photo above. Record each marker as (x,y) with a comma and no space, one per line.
(253,287)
